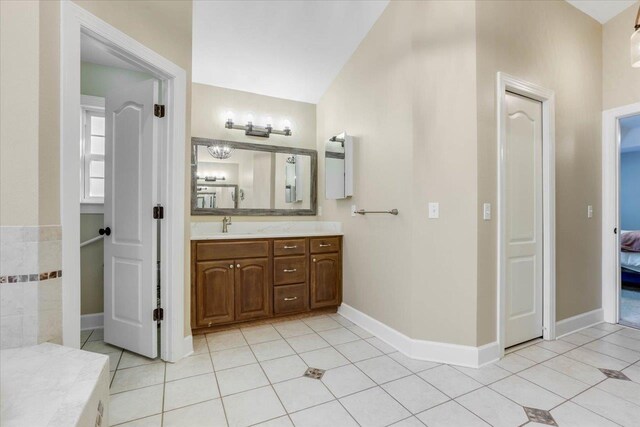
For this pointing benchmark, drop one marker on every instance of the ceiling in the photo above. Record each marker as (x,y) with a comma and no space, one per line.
(280,48)
(602,10)
(97,53)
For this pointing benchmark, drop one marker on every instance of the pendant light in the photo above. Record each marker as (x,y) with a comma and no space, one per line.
(635,43)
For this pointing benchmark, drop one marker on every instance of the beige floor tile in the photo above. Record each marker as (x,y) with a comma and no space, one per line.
(232,358)
(614,350)
(449,380)
(292,328)
(205,414)
(493,408)
(284,421)
(415,394)
(487,374)
(322,323)
(271,350)
(304,343)
(260,334)
(515,363)
(301,393)
(284,368)
(627,390)
(200,345)
(595,359)
(225,340)
(374,408)
(327,414)
(526,393)
(623,341)
(241,379)
(138,377)
(535,353)
(408,422)
(346,380)
(577,339)
(324,358)
(131,405)
(554,381)
(450,414)
(413,365)
(557,346)
(152,421)
(381,345)
(188,391)
(575,369)
(358,350)
(189,367)
(130,360)
(383,369)
(242,408)
(360,332)
(338,336)
(609,406)
(571,415)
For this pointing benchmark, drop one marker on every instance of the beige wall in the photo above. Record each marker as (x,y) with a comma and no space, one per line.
(620,82)
(558,47)
(403,95)
(19,86)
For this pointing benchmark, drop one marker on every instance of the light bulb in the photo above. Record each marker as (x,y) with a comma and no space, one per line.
(635,49)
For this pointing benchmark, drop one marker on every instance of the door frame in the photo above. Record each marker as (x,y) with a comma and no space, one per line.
(75,21)
(507,83)
(611,208)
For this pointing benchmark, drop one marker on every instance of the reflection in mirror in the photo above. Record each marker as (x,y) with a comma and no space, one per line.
(338,166)
(252,179)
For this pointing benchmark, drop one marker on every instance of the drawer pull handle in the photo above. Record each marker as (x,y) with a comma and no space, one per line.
(293,270)
(290,247)
(291,299)
(325,245)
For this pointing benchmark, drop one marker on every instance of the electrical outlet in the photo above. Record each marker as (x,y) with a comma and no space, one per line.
(589,211)
(486,211)
(434,210)
(353,210)
(319,210)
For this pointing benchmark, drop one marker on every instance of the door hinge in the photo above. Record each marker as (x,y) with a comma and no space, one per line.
(158,314)
(615,230)
(158,212)
(158,110)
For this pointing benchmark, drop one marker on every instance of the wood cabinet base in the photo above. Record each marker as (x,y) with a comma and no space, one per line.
(252,281)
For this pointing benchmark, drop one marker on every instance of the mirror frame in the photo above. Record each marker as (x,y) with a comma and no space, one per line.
(313,194)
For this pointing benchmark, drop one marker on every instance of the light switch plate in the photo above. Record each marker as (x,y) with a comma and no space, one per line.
(589,211)
(434,210)
(486,211)
(319,210)
(353,210)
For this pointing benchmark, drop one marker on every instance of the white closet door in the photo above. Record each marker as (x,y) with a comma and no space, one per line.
(524,234)
(130,270)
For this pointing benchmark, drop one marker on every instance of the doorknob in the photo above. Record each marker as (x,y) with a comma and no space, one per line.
(105,231)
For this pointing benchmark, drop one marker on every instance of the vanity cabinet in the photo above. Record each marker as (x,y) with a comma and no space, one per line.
(250,279)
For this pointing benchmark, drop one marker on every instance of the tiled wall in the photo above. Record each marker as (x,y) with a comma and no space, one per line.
(30,285)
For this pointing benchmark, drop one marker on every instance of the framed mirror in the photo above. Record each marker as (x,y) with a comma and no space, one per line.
(338,166)
(239,178)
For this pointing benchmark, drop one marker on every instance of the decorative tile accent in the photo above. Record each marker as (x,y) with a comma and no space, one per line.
(23,278)
(540,416)
(314,373)
(616,375)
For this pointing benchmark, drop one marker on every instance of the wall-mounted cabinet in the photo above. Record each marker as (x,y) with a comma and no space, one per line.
(249,279)
(338,166)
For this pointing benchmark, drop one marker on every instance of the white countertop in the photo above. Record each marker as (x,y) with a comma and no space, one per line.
(264,230)
(48,384)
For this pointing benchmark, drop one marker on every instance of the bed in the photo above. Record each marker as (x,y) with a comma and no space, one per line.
(629,259)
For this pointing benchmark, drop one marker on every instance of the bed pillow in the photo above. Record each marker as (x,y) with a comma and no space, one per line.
(630,241)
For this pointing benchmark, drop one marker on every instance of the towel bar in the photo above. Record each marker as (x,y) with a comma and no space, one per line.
(364,212)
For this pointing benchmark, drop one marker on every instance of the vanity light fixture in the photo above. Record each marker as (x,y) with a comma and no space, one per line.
(254,130)
(214,178)
(635,43)
(220,151)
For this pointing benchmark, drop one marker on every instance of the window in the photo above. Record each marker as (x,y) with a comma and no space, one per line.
(92,149)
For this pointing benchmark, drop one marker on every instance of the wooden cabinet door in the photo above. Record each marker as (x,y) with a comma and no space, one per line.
(253,288)
(214,292)
(326,278)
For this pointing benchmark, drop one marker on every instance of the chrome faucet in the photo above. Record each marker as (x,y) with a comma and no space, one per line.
(226,222)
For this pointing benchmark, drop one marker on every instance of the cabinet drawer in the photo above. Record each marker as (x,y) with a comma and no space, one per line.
(289,247)
(288,270)
(232,250)
(291,298)
(323,245)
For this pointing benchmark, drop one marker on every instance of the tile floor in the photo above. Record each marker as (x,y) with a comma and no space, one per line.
(254,376)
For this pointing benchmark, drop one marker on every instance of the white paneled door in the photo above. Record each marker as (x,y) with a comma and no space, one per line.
(130,250)
(523,210)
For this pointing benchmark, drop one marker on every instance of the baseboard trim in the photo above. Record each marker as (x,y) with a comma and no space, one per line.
(579,322)
(187,346)
(453,354)
(91,321)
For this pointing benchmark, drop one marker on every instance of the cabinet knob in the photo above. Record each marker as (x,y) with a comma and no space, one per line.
(314,260)
(238,265)
(230,265)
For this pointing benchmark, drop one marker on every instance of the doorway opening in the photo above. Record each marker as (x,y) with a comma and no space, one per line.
(526,212)
(620,227)
(629,214)
(137,131)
